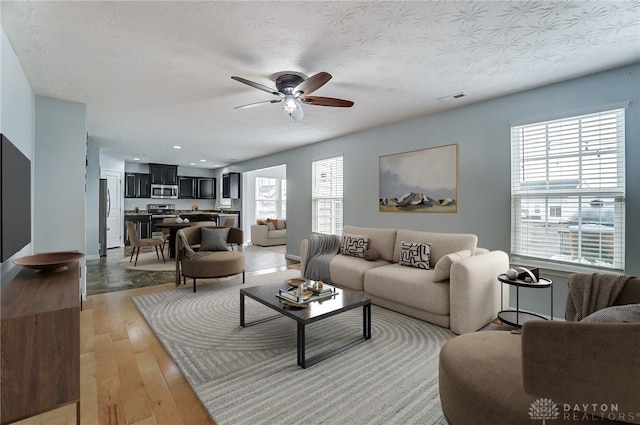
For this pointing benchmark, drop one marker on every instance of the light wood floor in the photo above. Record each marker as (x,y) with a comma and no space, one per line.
(126,376)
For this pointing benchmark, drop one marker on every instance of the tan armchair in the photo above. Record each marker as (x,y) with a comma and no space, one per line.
(207,264)
(137,242)
(586,369)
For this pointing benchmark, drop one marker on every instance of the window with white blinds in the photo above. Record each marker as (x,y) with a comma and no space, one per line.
(568,191)
(326,196)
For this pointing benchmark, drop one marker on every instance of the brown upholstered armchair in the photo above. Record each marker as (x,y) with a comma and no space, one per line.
(192,261)
(590,372)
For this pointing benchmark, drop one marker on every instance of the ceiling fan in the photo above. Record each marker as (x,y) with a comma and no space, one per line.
(294,89)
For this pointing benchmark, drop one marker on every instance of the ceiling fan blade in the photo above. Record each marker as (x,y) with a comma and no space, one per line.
(326,101)
(298,113)
(256,85)
(253,105)
(312,83)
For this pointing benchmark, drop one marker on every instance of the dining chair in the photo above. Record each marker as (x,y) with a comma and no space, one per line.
(137,242)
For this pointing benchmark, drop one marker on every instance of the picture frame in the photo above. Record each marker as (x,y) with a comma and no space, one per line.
(420,181)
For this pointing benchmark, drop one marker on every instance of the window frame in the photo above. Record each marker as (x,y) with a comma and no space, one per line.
(554,148)
(327,194)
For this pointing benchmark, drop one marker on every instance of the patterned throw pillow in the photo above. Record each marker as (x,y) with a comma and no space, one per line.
(214,239)
(354,245)
(415,254)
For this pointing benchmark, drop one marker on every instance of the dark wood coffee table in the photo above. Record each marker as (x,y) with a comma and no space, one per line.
(317,310)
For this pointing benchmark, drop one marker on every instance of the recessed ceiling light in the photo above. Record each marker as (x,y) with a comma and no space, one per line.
(193,163)
(135,158)
(177,147)
(203,160)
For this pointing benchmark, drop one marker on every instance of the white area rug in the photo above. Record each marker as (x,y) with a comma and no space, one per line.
(250,376)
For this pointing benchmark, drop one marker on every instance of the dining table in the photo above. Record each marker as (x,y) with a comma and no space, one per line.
(173,230)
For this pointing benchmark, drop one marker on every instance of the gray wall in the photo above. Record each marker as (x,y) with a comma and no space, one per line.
(481,131)
(59,177)
(17,115)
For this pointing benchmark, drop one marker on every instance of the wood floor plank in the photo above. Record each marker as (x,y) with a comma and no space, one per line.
(164,406)
(88,389)
(133,392)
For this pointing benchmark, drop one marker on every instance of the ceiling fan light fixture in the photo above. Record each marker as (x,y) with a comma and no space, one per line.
(290,104)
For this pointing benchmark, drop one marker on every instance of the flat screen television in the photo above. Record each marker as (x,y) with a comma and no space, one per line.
(15,199)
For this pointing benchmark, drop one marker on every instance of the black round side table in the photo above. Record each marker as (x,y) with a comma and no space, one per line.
(516,317)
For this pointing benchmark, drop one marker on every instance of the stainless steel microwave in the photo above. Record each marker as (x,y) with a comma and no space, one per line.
(164,191)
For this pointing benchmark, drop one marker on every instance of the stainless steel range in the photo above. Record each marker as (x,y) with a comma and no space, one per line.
(159,212)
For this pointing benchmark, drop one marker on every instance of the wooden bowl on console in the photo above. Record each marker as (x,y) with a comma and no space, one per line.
(50,261)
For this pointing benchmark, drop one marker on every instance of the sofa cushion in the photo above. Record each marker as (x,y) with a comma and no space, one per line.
(281,224)
(354,245)
(415,254)
(442,270)
(441,243)
(273,221)
(277,234)
(629,313)
(270,226)
(214,239)
(381,240)
(409,286)
(348,272)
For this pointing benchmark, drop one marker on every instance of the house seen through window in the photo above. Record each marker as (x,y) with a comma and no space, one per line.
(568,190)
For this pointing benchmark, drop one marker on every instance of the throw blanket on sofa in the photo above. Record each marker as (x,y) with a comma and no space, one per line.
(188,252)
(322,248)
(591,292)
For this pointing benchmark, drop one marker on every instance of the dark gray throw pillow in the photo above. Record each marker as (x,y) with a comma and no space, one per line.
(214,239)
(629,313)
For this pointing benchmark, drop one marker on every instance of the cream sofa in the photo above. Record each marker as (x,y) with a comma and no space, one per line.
(465,302)
(262,236)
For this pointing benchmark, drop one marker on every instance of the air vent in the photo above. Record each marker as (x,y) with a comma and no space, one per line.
(454,96)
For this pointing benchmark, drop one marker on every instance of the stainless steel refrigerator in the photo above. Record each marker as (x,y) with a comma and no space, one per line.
(103,208)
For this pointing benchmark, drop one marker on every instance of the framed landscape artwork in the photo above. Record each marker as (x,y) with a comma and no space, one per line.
(423,181)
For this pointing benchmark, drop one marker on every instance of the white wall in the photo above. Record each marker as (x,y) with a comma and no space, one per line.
(17,116)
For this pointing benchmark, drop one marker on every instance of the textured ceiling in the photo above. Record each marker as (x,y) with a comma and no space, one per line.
(156,74)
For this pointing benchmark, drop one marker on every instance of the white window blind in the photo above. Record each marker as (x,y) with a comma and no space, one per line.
(568,191)
(326,196)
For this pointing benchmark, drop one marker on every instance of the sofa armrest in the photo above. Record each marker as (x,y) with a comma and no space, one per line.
(304,250)
(259,234)
(475,290)
(591,364)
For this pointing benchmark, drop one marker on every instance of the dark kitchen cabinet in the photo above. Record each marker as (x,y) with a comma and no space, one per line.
(206,188)
(231,185)
(143,226)
(187,187)
(137,185)
(163,174)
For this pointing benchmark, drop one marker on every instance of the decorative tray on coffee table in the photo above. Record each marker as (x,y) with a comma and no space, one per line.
(291,297)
